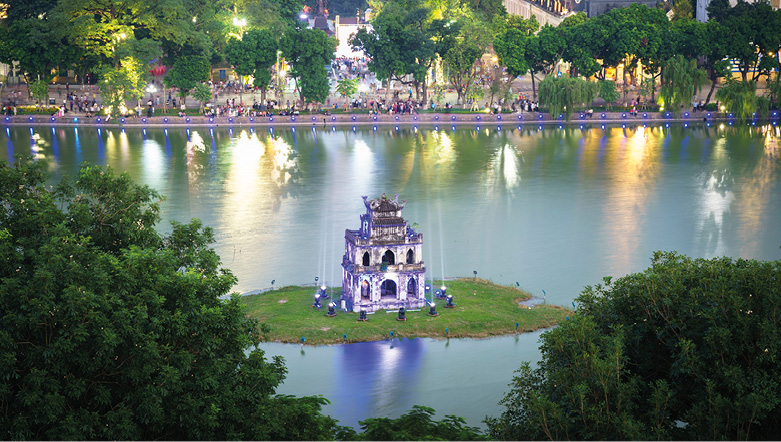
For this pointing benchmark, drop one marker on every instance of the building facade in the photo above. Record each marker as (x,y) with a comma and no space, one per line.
(383,264)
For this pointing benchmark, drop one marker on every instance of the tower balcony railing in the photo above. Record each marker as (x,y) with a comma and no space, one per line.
(390,268)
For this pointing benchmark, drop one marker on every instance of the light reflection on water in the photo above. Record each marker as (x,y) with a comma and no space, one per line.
(552,209)
(386,378)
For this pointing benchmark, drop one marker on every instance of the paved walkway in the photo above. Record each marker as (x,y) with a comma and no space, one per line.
(364,119)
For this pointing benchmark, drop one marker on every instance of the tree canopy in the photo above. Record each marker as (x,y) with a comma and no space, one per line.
(686,350)
(111,330)
(309,51)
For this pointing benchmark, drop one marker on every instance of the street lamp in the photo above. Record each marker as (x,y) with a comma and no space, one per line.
(432,309)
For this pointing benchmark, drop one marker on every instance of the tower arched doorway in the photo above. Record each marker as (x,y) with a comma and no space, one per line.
(388,289)
(410,257)
(412,288)
(365,289)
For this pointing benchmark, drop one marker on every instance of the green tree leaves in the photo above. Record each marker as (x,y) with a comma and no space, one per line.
(254,55)
(187,72)
(681,79)
(347,87)
(309,51)
(686,350)
(565,94)
(112,331)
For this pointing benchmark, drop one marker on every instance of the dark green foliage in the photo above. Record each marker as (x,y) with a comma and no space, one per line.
(308,51)
(566,94)
(608,92)
(740,98)
(687,350)
(109,330)
(415,424)
(187,72)
(254,55)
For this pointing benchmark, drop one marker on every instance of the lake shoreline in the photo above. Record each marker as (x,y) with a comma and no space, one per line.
(363,119)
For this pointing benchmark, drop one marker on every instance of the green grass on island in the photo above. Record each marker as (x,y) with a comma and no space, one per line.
(482,309)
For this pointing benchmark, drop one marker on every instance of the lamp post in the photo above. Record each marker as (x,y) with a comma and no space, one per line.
(475,273)
(444,291)
(432,309)
(331,310)
(449,302)
(317,304)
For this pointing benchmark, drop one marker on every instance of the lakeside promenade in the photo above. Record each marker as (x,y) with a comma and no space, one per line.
(363,119)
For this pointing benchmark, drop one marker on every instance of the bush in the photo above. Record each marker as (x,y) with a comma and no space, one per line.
(36,110)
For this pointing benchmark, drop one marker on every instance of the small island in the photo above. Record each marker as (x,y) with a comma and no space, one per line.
(482,309)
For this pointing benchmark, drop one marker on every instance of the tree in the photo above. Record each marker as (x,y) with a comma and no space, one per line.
(309,51)
(40,91)
(100,26)
(121,84)
(202,93)
(254,55)
(608,92)
(510,47)
(113,331)
(416,424)
(565,94)
(740,98)
(347,87)
(685,350)
(752,34)
(384,45)
(682,9)
(36,42)
(459,61)
(186,73)
(681,79)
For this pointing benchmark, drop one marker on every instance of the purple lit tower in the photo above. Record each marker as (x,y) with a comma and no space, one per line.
(382,261)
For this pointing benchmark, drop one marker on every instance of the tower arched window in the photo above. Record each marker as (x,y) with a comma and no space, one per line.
(366,259)
(410,257)
(389,258)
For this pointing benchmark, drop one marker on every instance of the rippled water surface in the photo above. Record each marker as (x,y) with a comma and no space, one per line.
(552,209)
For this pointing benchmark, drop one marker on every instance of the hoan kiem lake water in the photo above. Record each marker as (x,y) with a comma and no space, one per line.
(552,209)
